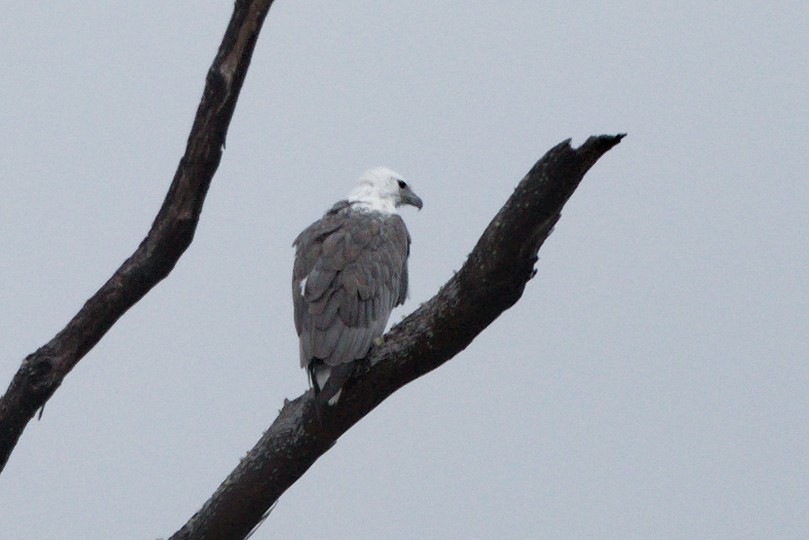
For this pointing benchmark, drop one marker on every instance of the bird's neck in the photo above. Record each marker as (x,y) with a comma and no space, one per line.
(369,201)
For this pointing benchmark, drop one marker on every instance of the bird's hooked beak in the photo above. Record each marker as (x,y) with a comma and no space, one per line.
(408,197)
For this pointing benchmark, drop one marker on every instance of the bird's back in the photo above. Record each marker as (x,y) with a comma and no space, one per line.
(350,272)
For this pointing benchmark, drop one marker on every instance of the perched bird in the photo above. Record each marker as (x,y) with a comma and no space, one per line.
(350,272)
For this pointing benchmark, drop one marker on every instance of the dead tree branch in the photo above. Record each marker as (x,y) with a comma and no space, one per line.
(492,280)
(43,371)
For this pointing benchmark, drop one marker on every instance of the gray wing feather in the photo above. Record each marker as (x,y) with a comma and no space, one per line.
(403,282)
(355,267)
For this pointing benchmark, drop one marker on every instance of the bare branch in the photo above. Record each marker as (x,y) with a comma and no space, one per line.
(43,371)
(492,280)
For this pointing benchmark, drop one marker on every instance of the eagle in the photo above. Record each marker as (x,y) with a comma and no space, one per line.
(350,271)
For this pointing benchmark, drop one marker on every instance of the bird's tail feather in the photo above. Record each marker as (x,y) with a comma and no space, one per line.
(328,380)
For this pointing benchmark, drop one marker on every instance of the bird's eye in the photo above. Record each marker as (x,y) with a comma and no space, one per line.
(402,184)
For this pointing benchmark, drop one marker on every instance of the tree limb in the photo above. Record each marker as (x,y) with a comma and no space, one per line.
(491,280)
(43,371)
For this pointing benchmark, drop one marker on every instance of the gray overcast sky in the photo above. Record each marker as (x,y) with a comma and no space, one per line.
(651,383)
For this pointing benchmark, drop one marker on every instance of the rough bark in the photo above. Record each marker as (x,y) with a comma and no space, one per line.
(43,371)
(491,280)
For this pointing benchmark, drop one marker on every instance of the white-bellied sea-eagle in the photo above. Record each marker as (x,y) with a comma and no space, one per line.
(350,272)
